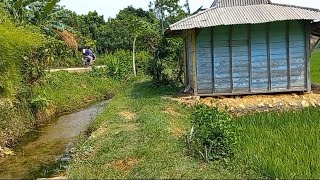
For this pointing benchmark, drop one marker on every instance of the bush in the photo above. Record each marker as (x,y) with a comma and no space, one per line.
(212,136)
(118,66)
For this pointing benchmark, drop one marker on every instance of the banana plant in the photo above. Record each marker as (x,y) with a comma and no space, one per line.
(45,14)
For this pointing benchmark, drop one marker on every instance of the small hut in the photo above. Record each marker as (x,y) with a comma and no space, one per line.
(240,47)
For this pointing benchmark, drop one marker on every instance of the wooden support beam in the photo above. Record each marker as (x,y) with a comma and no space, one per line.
(307,55)
(230,58)
(250,57)
(185,62)
(194,60)
(268,57)
(314,45)
(213,61)
(288,54)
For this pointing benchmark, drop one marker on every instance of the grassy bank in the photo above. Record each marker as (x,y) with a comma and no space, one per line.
(71,91)
(140,135)
(57,93)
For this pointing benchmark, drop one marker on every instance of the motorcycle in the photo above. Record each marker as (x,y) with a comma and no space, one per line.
(86,62)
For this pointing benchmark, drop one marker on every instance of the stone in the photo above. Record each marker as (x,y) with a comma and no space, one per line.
(293,104)
(7,152)
(295,95)
(242,106)
(196,98)
(261,105)
(270,106)
(305,104)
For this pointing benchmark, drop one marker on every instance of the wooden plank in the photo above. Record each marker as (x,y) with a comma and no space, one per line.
(185,62)
(212,56)
(288,54)
(308,55)
(230,56)
(256,91)
(250,57)
(268,56)
(194,60)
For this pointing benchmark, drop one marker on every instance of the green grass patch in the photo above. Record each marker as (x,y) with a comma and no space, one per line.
(140,135)
(71,91)
(281,145)
(315,67)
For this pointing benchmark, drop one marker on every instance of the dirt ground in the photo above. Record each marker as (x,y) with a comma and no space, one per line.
(240,105)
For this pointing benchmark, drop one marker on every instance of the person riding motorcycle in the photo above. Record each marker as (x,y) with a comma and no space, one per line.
(88,56)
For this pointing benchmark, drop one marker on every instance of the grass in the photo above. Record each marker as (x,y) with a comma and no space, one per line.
(140,135)
(72,91)
(315,67)
(281,145)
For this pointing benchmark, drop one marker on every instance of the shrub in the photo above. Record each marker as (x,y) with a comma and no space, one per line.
(212,136)
(118,66)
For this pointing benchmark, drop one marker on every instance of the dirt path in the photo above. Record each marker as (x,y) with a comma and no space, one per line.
(240,105)
(78,69)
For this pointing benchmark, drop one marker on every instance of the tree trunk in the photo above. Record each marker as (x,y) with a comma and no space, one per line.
(134,56)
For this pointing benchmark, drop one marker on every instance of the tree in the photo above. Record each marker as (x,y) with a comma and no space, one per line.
(138,27)
(168,54)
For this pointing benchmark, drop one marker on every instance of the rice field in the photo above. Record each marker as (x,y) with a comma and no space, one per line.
(281,145)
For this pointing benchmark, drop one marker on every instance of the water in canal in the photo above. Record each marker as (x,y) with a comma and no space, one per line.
(40,149)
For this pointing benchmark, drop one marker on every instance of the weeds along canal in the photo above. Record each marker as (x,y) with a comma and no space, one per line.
(48,146)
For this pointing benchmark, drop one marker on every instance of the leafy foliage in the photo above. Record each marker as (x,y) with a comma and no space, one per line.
(45,14)
(212,135)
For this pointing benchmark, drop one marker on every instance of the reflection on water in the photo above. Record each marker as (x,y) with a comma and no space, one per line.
(41,147)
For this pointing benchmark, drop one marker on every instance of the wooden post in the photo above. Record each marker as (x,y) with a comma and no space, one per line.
(268,57)
(307,55)
(185,62)
(212,60)
(250,57)
(134,57)
(288,54)
(230,58)
(194,60)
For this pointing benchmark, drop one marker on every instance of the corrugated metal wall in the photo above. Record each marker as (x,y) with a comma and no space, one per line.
(246,59)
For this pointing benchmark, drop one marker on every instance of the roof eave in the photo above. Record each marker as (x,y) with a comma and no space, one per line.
(173,33)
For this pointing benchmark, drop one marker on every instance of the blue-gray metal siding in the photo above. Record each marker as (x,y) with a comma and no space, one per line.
(245,59)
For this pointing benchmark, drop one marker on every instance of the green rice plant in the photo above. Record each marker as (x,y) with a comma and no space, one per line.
(281,145)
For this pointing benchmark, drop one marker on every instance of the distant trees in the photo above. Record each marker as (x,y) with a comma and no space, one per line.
(133,29)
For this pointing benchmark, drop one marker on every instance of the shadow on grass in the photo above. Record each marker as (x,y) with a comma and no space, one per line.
(147,90)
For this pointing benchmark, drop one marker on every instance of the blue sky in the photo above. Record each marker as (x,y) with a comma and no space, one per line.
(109,8)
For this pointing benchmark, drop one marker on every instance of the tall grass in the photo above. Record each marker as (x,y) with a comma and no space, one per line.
(281,145)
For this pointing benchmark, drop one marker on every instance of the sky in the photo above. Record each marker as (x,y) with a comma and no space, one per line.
(110,8)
